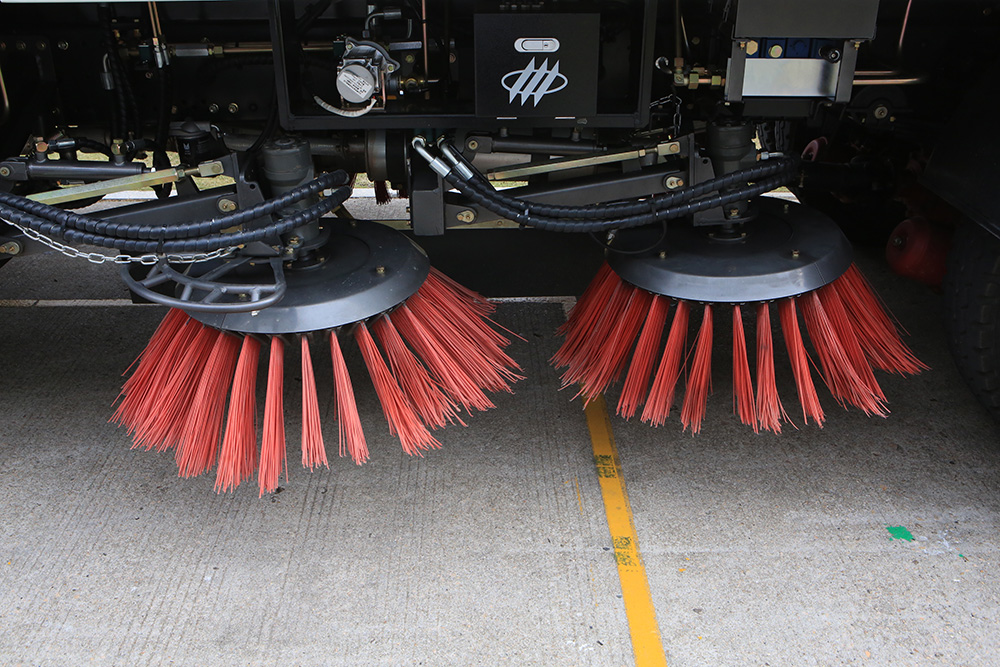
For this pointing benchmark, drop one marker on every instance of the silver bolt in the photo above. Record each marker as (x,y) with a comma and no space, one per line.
(673,182)
(673,147)
(466,216)
(233,107)
(380,270)
(5,171)
(795,254)
(881,112)
(472,144)
(10,248)
(63,46)
(227,205)
(21,46)
(734,213)
(213,108)
(663,254)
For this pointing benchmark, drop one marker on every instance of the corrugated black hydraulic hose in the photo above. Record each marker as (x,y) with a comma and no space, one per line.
(74,221)
(774,166)
(194,245)
(524,213)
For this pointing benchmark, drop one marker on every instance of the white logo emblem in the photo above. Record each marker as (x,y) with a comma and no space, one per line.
(533,82)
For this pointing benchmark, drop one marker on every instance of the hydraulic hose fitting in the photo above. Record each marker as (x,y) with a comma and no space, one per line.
(437,165)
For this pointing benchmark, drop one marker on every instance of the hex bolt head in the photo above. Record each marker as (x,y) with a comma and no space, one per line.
(233,107)
(213,108)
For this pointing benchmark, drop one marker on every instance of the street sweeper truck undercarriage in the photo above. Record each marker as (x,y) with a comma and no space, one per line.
(654,127)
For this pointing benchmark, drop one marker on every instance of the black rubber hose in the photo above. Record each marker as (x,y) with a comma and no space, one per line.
(623,209)
(74,221)
(523,214)
(97,146)
(196,245)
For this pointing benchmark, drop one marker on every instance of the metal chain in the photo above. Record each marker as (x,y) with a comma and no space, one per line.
(676,101)
(100,258)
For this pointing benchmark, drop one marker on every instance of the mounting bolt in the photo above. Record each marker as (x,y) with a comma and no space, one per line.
(734,213)
(775,51)
(295,242)
(233,107)
(673,182)
(227,205)
(673,148)
(795,254)
(213,108)
(10,248)
(63,45)
(898,241)
(663,254)
(472,144)
(881,112)
(380,270)
(5,171)
(410,58)
(466,216)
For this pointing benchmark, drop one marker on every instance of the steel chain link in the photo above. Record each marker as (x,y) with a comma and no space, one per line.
(100,258)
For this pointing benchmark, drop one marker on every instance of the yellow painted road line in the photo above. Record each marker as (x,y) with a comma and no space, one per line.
(646,643)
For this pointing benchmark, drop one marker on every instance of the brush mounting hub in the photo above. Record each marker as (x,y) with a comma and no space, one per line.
(789,249)
(366,269)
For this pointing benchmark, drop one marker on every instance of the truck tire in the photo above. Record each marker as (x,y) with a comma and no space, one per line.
(972,312)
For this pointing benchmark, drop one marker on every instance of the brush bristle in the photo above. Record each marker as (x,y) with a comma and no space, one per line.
(700,379)
(351,436)
(313,449)
(743,401)
(403,421)
(770,412)
(272,446)
(644,358)
(661,394)
(238,457)
(799,360)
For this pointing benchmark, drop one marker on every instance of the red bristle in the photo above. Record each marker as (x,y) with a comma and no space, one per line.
(841,321)
(610,359)
(478,361)
(148,365)
(440,362)
(473,298)
(800,363)
(593,298)
(166,430)
(743,402)
(350,433)
(238,457)
(770,412)
(603,329)
(272,446)
(313,450)
(143,426)
(700,379)
(875,330)
(661,393)
(584,316)
(431,404)
(403,421)
(469,325)
(199,443)
(838,372)
(644,357)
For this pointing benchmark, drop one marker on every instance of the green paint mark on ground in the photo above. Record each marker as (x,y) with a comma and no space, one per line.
(899,533)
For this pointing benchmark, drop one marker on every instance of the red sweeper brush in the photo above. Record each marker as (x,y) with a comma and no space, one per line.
(789,259)
(428,343)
